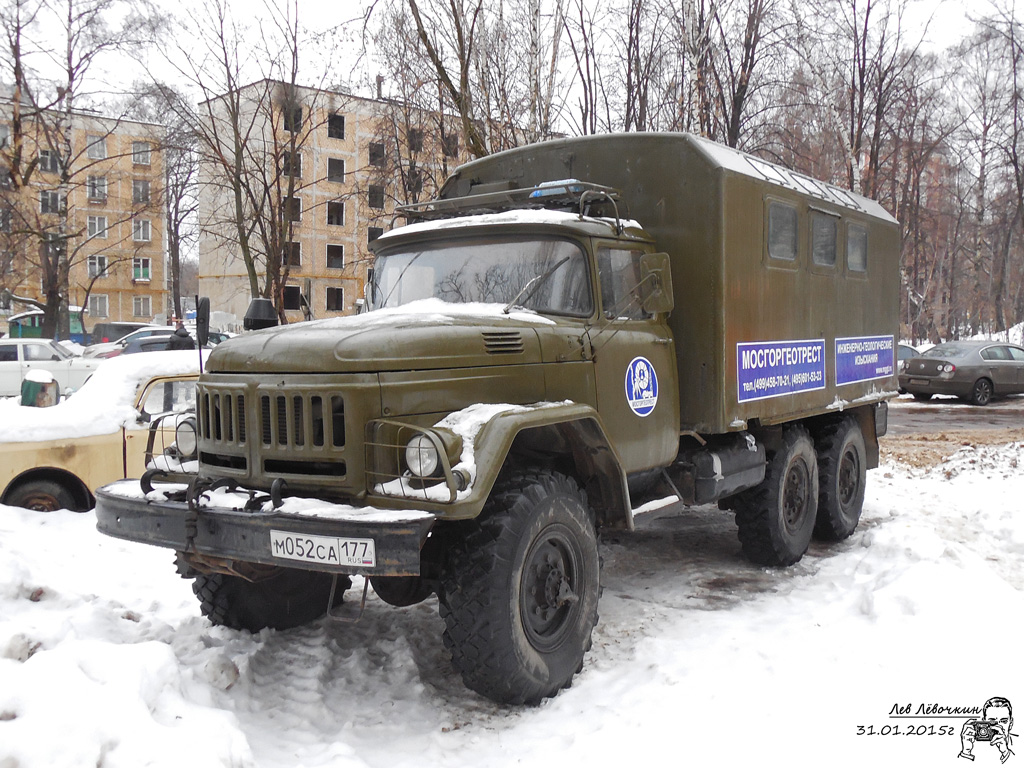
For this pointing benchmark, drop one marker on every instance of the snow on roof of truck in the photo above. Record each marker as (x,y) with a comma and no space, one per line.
(519,216)
(739,162)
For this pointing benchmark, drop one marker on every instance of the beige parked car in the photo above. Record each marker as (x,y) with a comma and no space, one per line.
(53,458)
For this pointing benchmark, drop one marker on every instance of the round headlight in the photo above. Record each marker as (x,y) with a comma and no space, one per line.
(421,456)
(185,439)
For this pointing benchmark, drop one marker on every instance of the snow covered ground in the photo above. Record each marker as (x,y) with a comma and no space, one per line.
(699,657)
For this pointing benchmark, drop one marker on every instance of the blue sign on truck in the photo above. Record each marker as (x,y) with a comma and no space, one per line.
(863,358)
(775,368)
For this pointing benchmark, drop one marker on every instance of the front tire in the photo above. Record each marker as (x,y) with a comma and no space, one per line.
(842,478)
(777,517)
(289,598)
(520,590)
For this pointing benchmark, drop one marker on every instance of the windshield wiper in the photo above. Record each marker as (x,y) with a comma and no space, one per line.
(532,286)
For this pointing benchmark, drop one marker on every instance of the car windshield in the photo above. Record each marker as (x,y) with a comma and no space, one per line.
(950,349)
(495,271)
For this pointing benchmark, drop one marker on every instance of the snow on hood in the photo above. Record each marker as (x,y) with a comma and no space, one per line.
(104,404)
(423,312)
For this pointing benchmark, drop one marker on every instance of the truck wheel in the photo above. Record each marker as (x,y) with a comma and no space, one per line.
(43,496)
(401,591)
(842,475)
(981,392)
(777,517)
(289,598)
(520,590)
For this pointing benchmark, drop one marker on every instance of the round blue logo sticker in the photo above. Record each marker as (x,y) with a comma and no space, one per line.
(641,386)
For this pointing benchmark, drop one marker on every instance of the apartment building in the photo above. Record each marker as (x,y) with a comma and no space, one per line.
(337,165)
(107,210)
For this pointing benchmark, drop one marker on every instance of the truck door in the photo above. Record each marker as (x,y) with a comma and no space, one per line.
(634,358)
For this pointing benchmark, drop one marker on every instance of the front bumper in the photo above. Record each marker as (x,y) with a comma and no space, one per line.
(226,531)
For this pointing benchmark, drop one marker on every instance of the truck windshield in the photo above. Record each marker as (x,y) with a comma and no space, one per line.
(488,271)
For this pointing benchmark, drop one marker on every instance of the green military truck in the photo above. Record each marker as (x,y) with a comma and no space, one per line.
(566,323)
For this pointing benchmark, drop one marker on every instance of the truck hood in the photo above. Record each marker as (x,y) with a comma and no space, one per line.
(422,335)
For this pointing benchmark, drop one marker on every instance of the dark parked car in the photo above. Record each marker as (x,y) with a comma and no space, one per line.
(106,332)
(976,371)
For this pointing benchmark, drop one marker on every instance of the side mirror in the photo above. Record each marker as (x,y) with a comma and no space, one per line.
(203,321)
(656,275)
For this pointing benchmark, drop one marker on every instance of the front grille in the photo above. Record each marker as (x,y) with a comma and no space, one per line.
(302,420)
(222,415)
(503,342)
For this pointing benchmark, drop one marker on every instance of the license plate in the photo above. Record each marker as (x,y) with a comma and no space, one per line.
(919,382)
(331,550)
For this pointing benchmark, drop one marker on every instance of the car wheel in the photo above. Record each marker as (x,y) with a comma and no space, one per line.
(43,496)
(981,393)
(520,590)
(922,397)
(776,518)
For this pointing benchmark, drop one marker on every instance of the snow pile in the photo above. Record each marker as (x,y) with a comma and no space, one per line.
(699,657)
(104,404)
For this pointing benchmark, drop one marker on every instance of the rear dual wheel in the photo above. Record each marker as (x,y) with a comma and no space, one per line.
(776,519)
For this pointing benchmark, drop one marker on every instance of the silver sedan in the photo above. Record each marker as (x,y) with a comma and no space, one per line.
(976,371)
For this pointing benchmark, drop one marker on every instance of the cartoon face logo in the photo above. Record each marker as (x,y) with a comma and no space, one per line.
(641,386)
(992,727)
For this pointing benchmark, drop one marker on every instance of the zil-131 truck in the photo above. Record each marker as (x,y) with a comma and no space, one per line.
(567,322)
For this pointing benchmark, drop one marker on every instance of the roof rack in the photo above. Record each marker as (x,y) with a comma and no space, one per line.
(566,194)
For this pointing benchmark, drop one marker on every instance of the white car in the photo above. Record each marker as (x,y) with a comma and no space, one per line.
(19,356)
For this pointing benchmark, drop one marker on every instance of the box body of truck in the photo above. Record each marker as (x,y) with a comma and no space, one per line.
(776,275)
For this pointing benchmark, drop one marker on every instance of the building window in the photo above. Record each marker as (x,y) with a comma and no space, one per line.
(291,164)
(336,126)
(857,248)
(5,136)
(823,239)
(49,201)
(293,209)
(141,306)
(141,231)
(49,162)
(414,180)
(5,177)
(98,226)
(336,214)
(292,297)
(293,254)
(372,233)
(6,214)
(450,144)
(96,147)
(97,305)
(376,153)
(141,270)
(96,188)
(140,191)
(335,256)
(376,196)
(292,119)
(335,299)
(782,222)
(415,139)
(336,170)
(140,153)
(97,265)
